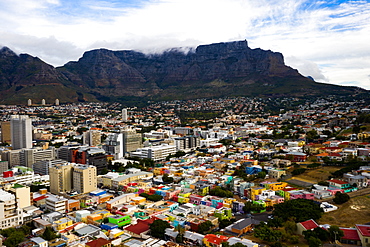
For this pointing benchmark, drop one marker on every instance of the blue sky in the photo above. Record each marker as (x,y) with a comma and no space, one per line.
(328,40)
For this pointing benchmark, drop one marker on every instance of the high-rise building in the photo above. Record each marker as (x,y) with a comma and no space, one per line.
(42,167)
(57,102)
(131,140)
(84,178)
(30,156)
(92,137)
(113,145)
(6,136)
(21,131)
(29,102)
(90,156)
(124,115)
(72,177)
(187,143)
(43,102)
(60,178)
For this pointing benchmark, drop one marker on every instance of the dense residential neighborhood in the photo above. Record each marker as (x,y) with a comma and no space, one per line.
(217,172)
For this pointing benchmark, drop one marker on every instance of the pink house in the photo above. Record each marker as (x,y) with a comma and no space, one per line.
(195,199)
(301,194)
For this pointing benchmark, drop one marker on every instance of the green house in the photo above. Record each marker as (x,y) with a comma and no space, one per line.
(120,220)
(223,213)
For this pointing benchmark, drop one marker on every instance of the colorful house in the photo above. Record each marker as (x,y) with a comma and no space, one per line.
(364,234)
(243,226)
(262,203)
(276,186)
(306,225)
(62,224)
(195,199)
(256,191)
(120,220)
(223,213)
(212,240)
(345,186)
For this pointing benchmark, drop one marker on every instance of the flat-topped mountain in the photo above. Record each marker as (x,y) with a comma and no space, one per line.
(215,70)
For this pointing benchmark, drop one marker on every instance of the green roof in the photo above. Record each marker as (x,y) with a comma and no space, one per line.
(16,186)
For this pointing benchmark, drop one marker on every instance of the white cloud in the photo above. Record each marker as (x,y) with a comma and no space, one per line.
(310,35)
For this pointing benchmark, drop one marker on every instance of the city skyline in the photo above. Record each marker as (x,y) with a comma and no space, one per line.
(323,39)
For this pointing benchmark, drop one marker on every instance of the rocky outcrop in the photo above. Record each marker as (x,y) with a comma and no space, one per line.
(215,70)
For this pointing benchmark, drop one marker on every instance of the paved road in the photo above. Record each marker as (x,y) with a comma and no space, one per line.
(360,192)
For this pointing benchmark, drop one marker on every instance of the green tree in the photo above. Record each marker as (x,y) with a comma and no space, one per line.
(218,191)
(14,239)
(167,179)
(335,233)
(276,222)
(314,242)
(318,232)
(341,198)
(265,233)
(158,228)
(290,226)
(181,230)
(261,174)
(204,227)
(49,234)
(300,209)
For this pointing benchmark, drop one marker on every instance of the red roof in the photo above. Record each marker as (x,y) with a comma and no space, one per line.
(309,224)
(40,198)
(139,228)
(350,234)
(337,181)
(364,230)
(98,242)
(215,239)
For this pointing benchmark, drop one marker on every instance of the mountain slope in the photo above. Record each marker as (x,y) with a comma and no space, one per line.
(215,70)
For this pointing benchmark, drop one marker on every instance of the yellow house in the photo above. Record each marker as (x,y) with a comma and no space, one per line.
(178,173)
(363,135)
(62,223)
(103,213)
(229,201)
(187,195)
(256,191)
(228,160)
(138,200)
(277,186)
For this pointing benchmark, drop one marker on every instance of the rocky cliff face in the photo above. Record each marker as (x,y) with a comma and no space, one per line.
(222,69)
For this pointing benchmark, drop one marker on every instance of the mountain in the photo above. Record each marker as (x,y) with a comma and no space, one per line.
(25,77)
(215,70)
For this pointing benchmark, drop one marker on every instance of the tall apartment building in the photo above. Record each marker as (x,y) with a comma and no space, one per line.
(187,143)
(10,213)
(124,115)
(42,167)
(113,145)
(90,155)
(84,178)
(21,131)
(4,166)
(60,178)
(131,140)
(72,177)
(91,137)
(28,156)
(64,152)
(6,136)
